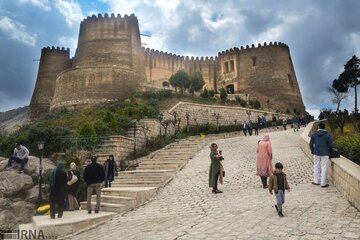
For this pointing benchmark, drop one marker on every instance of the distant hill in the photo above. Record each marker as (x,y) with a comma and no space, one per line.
(11,120)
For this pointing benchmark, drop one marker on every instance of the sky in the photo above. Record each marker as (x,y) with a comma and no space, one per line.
(322,35)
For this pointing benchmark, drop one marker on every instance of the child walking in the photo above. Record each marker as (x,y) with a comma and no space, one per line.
(278,183)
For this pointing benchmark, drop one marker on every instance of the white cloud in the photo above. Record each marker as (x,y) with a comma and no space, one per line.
(354,42)
(43,4)
(71,10)
(68,42)
(122,7)
(314,112)
(15,30)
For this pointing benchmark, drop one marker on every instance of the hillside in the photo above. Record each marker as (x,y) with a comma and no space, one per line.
(12,120)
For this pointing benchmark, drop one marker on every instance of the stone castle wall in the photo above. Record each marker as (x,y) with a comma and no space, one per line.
(109,65)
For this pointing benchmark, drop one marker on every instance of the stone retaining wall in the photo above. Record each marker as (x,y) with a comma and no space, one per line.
(342,172)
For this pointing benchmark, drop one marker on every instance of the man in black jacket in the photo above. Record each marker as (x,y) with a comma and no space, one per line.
(93,175)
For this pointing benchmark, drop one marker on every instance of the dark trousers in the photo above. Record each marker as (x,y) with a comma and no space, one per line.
(245,131)
(216,183)
(53,205)
(264,181)
(108,180)
(18,160)
(250,131)
(256,131)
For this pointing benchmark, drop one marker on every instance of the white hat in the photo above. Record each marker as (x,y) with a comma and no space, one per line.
(72,166)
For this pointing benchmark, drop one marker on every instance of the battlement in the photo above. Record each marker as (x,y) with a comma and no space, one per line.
(55,50)
(252,47)
(107,17)
(157,53)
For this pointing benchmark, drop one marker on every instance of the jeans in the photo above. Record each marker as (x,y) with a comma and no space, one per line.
(108,180)
(280,199)
(18,160)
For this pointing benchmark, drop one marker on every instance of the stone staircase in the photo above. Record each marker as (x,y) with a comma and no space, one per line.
(135,187)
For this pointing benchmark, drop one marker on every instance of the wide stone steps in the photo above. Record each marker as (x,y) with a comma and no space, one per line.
(128,201)
(106,207)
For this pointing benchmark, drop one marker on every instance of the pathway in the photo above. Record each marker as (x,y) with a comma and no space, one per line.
(186,208)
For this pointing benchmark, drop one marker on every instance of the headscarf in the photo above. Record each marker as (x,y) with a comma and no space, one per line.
(59,167)
(73,166)
(266,137)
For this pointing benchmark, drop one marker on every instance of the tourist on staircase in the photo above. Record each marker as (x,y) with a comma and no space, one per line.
(264,166)
(93,175)
(110,170)
(215,168)
(72,186)
(20,155)
(57,183)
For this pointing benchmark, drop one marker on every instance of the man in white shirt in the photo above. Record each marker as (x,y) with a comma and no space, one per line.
(21,154)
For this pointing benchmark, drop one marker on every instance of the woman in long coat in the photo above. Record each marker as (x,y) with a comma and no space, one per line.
(72,186)
(58,182)
(110,169)
(215,168)
(264,166)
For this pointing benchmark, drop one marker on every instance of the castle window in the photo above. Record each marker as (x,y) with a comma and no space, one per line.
(253,61)
(226,67)
(291,82)
(232,68)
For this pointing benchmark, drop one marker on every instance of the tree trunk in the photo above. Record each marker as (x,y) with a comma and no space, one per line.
(356,108)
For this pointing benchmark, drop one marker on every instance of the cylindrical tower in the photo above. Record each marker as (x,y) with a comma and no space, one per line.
(52,62)
(265,72)
(108,63)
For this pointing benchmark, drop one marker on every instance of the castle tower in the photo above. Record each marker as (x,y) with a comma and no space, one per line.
(52,62)
(265,72)
(108,63)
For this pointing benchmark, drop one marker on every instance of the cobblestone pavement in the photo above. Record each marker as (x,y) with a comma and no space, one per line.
(186,208)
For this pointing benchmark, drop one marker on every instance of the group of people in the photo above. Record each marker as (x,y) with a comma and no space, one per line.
(249,126)
(62,184)
(320,146)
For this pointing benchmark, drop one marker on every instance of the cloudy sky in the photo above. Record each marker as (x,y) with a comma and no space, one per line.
(322,35)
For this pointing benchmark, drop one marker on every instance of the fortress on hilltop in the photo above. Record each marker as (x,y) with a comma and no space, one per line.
(110,64)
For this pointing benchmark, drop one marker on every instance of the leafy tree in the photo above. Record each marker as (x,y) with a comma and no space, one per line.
(223,94)
(349,78)
(257,104)
(180,80)
(196,82)
(337,98)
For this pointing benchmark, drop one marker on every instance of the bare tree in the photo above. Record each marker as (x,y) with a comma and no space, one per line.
(338,97)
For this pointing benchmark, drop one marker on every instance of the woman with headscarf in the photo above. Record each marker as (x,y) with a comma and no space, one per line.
(216,169)
(58,182)
(264,166)
(109,169)
(72,186)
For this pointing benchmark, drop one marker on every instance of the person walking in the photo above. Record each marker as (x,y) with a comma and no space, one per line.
(250,127)
(273,122)
(215,168)
(284,123)
(72,186)
(245,128)
(259,121)
(21,154)
(93,175)
(256,128)
(57,183)
(110,169)
(264,167)
(278,182)
(320,145)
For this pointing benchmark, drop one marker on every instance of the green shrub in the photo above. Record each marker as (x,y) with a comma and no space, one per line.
(223,94)
(349,146)
(257,104)
(205,93)
(240,101)
(212,93)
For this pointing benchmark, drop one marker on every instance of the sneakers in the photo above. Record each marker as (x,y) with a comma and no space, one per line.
(280,214)
(326,185)
(317,184)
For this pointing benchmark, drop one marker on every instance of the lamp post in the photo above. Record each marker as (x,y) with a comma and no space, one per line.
(217,116)
(134,125)
(161,118)
(187,116)
(248,112)
(176,116)
(40,147)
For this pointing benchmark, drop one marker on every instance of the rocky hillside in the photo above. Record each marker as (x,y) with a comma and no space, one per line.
(13,119)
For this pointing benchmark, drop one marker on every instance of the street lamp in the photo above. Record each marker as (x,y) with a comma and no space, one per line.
(248,112)
(40,147)
(217,116)
(187,116)
(134,125)
(161,118)
(176,116)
